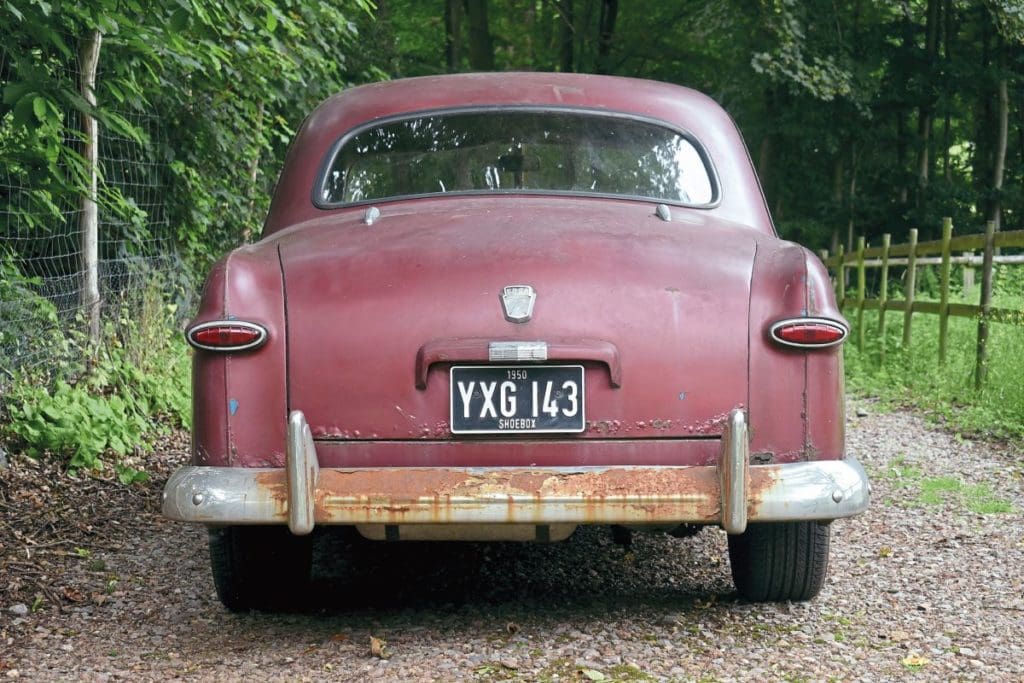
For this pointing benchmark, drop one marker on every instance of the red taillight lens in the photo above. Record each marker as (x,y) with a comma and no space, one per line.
(809,332)
(226,335)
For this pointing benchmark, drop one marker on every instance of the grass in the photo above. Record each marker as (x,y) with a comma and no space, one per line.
(977,498)
(914,376)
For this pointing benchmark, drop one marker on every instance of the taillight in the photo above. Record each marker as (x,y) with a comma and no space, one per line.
(809,333)
(226,335)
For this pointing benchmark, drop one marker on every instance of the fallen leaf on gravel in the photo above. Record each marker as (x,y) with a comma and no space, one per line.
(99,598)
(74,595)
(885,551)
(915,661)
(593,674)
(706,605)
(339,637)
(512,628)
(378,648)
(310,649)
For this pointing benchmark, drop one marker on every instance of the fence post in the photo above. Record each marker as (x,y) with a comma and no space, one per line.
(89,295)
(883,294)
(910,287)
(860,292)
(947,235)
(840,277)
(981,362)
(968,275)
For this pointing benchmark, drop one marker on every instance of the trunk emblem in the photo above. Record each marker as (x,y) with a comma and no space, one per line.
(517,301)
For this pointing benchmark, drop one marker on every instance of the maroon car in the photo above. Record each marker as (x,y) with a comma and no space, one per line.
(499,306)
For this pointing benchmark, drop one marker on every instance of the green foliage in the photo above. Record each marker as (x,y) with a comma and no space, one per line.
(915,377)
(230,81)
(26,319)
(112,407)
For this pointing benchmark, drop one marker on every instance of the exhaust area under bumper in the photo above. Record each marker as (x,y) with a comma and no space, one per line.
(728,494)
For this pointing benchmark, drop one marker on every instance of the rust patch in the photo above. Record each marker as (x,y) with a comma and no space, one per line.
(275,483)
(762,479)
(438,495)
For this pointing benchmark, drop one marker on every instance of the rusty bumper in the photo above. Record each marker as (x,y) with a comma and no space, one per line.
(729,494)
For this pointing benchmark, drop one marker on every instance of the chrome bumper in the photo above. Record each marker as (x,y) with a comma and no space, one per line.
(729,494)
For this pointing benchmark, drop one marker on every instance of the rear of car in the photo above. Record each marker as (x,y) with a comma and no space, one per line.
(499,307)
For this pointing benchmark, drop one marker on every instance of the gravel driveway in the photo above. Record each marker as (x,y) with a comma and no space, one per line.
(928,585)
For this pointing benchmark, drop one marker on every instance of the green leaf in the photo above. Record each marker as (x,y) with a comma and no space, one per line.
(39,108)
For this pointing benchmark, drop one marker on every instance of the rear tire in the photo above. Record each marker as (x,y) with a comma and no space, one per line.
(780,561)
(260,567)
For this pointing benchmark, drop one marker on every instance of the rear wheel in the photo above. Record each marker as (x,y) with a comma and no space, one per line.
(260,567)
(780,561)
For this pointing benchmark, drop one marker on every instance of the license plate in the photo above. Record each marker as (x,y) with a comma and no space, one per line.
(517,399)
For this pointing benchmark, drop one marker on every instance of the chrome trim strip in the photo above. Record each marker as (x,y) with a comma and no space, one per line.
(255,344)
(773,331)
(504,351)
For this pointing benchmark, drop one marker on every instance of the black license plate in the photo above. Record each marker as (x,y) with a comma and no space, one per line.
(517,399)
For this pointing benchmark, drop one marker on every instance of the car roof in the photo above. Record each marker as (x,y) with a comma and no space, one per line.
(678,106)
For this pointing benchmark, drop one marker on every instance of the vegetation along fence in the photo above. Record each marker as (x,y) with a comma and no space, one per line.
(82,225)
(912,256)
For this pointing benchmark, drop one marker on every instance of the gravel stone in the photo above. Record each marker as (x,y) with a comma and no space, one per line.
(930,578)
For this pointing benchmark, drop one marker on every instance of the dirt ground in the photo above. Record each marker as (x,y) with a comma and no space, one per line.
(928,585)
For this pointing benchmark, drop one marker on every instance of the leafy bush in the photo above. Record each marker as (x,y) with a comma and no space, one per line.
(26,319)
(113,405)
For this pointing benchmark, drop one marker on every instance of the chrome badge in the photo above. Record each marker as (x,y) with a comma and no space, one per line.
(517,300)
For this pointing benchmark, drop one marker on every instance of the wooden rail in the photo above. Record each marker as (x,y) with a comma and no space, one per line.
(907,255)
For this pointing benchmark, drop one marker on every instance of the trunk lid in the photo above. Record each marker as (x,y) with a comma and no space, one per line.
(365,301)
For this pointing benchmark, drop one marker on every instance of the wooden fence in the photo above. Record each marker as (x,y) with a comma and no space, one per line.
(910,255)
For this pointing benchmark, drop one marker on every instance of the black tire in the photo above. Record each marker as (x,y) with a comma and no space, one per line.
(780,561)
(260,567)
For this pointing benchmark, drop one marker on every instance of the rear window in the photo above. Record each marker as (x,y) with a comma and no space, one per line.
(515,152)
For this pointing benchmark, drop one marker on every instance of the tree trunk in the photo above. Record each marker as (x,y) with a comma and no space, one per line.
(984,124)
(837,200)
(999,162)
(453,34)
(567,34)
(606,29)
(89,295)
(902,134)
(925,111)
(851,196)
(947,39)
(481,47)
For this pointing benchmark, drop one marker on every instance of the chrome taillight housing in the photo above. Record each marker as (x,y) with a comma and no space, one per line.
(809,333)
(226,335)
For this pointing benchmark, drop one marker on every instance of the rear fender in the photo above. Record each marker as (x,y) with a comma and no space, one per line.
(795,395)
(239,400)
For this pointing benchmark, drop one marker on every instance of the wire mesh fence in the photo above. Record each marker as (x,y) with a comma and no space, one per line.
(41,257)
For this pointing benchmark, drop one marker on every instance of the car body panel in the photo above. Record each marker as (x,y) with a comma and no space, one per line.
(668,311)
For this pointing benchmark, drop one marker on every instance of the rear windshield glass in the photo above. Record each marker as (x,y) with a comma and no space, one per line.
(518,151)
